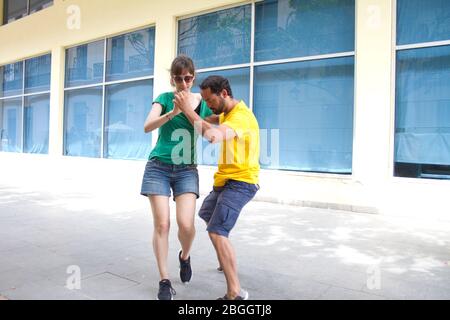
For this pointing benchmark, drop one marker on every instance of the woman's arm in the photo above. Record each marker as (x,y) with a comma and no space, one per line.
(213,119)
(155,119)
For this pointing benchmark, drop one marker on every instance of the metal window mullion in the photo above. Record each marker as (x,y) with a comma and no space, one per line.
(423,45)
(228,67)
(36,93)
(252,54)
(129,80)
(23,107)
(307,58)
(102,132)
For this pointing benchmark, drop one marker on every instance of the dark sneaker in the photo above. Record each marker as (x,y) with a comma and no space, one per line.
(185,269)
(166,292)
(243,295)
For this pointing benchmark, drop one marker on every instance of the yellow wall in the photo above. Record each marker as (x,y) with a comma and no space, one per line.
(373,75)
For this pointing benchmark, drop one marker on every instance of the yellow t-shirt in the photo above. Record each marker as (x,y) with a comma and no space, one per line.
(239,157)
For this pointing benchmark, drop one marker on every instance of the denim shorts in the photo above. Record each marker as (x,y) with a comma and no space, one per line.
(222,206)
(160,177)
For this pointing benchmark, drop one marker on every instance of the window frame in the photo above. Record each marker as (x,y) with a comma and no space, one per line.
(24,95)
(252,64)
(427,178)
(103,84)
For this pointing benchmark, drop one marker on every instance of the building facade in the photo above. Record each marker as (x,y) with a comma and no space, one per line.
(352,96)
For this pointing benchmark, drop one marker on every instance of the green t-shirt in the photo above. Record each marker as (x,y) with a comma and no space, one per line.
(177,138)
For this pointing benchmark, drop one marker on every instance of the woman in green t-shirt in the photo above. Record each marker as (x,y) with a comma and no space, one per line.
(171,166)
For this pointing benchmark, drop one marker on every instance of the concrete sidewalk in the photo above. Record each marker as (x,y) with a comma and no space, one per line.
(55,222)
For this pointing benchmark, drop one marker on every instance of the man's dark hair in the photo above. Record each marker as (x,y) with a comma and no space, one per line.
(216,84)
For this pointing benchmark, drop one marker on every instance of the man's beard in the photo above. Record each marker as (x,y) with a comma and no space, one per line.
(220,108)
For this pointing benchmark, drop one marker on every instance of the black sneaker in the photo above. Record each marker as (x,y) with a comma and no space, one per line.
(243,295)
(185,269)
(166,292)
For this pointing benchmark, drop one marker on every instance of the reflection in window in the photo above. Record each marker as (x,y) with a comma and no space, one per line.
(11,79)
(130,55)
(127,106)
(37,74)
(287,29)
(36,124)
(82,122)
(311,103)
(11,125)
(84,64)
(422,21)
(218,38)
(422,134)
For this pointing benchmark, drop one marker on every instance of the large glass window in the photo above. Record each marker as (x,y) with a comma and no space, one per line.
(105,109)
(422,122)
(25,105)
(288,29)
(130,55)
(36,122)
(83,122)
(126,106)
(217,39)
(298,79)
(11,79)
(16,9)
(311,104)
(84,64)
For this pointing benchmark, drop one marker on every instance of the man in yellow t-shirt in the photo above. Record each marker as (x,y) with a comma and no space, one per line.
(236,180)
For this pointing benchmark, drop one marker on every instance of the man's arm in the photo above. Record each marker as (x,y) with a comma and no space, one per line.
(213,134)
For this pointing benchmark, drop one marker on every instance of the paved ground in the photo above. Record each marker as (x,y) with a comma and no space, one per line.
(57,223)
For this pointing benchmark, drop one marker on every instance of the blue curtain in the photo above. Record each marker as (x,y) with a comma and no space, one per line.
(36,131)
(127,107)
(37,74)
(217,39)
(297,28)
(311,103)
(82,123)
(11,125)
(130,55)
(84,64)
(422,133)
(11,82)
(422,21)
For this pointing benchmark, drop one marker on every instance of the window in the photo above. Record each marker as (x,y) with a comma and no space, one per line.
(25,105)
(106,104)
(219,43)
(298,79)
(422,117)
(16,9)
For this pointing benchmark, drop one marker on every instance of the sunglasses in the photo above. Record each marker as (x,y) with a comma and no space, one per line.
(179,79)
